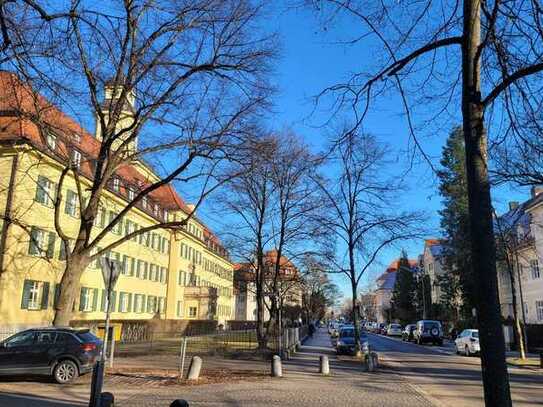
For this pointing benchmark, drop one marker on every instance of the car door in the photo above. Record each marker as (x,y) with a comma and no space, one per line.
(43,351)
(460,340)
(15,354)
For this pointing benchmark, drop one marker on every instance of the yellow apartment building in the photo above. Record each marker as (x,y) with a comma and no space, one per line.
(181,274)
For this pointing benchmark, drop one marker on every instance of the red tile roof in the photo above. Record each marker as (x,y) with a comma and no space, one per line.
(21,109)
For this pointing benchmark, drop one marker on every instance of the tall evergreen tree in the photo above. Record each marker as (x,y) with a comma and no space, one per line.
(403,306)
(455,225)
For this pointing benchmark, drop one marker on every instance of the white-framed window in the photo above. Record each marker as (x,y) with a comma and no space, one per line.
(44,191)
(151,304)
(131,193)
(534,267)
(51,141)
(165,215)
(88,299)
(192,312)
(144,202)
(118,228)
(77,138)
(35,295)
(76,158)
(71,203)
(179,308)
(539,310)
(123,302)
(138,303)
(155,209)
(161,305)
(116,184)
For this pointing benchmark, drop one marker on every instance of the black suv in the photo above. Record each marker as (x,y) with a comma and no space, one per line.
(428,331)
(64,353)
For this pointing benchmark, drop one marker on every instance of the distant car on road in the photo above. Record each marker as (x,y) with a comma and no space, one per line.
(381,328)
(407,333)
(428,331)
(468,342)
(63,353)
(346,342)
(394,330)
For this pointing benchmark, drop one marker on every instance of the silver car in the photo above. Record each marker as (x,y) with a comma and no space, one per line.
(468,342)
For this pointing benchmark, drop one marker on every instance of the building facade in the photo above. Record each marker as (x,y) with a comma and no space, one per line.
(523,225)
(432,262)
(166,274)
(289,286)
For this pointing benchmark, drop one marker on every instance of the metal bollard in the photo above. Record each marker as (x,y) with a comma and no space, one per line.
(194,368)
(324,365)
(276,368)
(369,362)
(179,403)
(107,400)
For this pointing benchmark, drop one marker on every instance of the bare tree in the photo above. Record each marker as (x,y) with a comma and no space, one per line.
(513,235)
(482,56)
(182,81)
(359,211)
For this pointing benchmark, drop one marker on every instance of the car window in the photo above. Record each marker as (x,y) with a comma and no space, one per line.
(475,334)
(346,333)
(23,339)
(46,337)
(430,325)
(87,336)
(65,338)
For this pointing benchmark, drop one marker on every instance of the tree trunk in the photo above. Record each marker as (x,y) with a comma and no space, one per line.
(355,294)
(494,368)
(69,287)
(518,328)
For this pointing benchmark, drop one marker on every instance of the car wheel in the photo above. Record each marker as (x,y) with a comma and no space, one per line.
(65,372)
(466,351)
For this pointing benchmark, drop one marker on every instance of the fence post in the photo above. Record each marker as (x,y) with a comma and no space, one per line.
(194,368)
(182,355)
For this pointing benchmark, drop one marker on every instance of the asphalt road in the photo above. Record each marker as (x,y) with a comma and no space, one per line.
(449,379)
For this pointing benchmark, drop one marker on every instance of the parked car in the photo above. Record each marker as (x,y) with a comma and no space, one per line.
(407,333)
(468,342)
(428,331)
(346,342)
(63,353)
(394,330)
(382,328)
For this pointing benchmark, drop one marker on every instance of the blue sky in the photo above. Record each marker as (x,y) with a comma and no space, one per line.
(311,61)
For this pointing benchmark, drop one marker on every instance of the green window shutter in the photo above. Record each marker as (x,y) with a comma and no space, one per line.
(82,299)
(57,295)
(113,301)
(51,245)
(129,303)
(26,293)
(33,245)
(94,298)
(103,301)
(62,251)
(40,189)
(45,296)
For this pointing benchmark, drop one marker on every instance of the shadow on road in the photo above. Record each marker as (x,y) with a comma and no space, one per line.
(24,400)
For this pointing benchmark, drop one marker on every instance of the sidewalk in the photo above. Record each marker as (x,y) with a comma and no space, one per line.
(300,386)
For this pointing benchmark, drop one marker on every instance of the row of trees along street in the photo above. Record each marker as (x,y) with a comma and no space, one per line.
(198,72)
(483,58)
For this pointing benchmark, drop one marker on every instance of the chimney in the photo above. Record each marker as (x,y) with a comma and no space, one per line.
(513,205)
(536,190)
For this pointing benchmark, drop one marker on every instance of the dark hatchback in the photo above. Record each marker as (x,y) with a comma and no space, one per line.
(346,343)
(63,353)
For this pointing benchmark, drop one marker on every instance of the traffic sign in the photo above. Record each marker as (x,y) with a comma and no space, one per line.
(110,272)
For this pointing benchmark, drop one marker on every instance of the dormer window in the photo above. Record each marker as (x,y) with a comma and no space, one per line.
(51,141)
(144,202)
(116,184)
(155,210)
(77,138)
(131,194)
(76,158)
(165,214)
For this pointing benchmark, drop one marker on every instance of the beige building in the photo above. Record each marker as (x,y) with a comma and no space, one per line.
(524,222)
(432,262)
(181,274)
